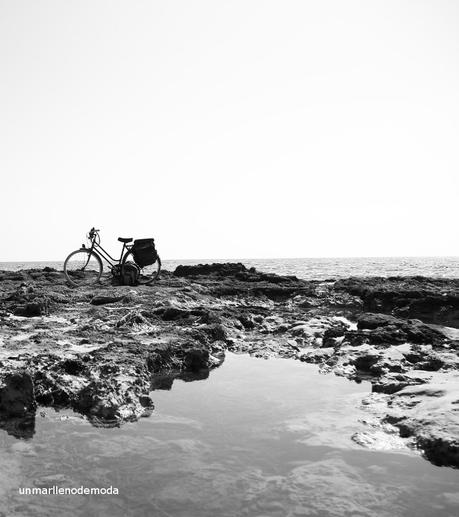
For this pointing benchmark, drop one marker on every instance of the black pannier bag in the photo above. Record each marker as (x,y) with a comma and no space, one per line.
(144,252)
(129,274)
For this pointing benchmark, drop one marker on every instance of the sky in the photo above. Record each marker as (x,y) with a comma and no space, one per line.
(229,128)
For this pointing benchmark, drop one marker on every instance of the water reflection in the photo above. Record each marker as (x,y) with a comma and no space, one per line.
(165,381)
(23,427)
(257,438)
(19,427)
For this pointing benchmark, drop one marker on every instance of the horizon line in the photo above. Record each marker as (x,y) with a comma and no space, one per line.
(269,258)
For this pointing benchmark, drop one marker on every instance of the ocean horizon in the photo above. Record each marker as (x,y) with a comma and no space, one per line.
(308,268)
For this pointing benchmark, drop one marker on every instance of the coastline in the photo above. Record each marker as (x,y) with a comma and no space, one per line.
(101,351)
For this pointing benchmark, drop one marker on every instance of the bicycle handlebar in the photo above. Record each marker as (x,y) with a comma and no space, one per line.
(93,232)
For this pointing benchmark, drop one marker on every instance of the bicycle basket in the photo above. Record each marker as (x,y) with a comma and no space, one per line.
(144,252)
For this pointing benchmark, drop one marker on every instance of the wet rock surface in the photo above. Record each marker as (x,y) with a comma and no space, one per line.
(103,350)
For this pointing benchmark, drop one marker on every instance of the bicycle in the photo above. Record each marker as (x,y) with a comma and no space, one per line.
(140,260)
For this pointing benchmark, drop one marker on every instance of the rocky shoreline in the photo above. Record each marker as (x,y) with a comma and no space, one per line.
(102,351)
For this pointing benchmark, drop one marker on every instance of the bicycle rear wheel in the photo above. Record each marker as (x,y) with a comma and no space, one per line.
(148,274)
(82,268)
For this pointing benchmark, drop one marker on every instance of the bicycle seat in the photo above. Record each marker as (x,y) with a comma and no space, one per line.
(125,240)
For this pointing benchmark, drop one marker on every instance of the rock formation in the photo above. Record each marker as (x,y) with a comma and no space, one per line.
(101,351)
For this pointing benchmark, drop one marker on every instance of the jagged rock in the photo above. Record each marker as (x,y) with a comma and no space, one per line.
(110,404)
(315,355)
(393,382)
(387,329)
(430,300)
(173,313)
(17,396)
(227,269)
(429,413)
(215,332)
(247,320)
(196,359)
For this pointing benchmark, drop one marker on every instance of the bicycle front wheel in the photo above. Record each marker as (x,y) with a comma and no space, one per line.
(82,268)
(148,274)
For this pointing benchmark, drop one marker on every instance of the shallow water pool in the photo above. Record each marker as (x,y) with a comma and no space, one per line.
(257,438)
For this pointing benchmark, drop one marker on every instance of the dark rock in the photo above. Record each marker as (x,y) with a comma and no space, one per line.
(165,359)
(102,300)
(366,361)
(172,313)
(430,300)
(17,397)
(228,269)
(356,338)
(247,321)
(390,330)
(215,332)
(51,391)
(440,450)
(196,359)
(395,382)
(31,309)
(22,427)
(145,401)
(330,335)
(162,382)
(73,366)
(372,321)
(109,402)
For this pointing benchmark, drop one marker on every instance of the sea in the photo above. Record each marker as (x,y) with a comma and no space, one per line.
(314,268)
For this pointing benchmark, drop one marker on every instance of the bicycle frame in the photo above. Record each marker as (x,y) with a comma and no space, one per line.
(103,254)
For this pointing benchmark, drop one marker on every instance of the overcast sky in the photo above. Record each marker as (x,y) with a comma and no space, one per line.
(230,129)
